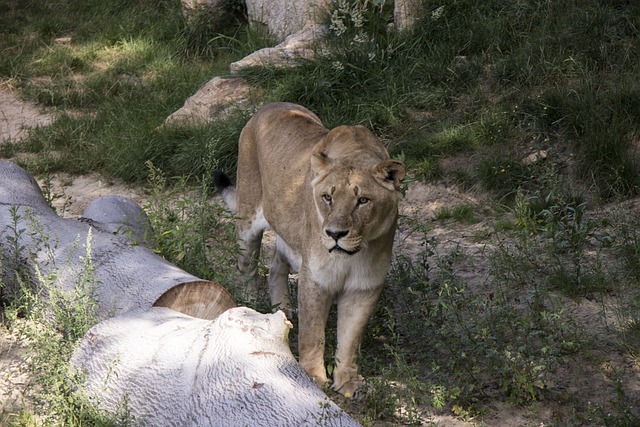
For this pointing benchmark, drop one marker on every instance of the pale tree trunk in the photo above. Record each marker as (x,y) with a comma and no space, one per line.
(177,370)
(127,273)
(170,345)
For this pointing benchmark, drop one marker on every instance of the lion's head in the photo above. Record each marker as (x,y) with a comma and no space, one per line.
(356,195)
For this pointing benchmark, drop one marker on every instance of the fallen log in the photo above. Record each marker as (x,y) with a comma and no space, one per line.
(177,370)
(119,215)
(128,274)
(169,345)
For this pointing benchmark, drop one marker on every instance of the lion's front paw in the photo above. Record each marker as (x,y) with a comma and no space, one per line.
(347,383)
(318,374)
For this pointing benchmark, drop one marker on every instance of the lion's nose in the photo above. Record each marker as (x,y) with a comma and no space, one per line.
(336,235)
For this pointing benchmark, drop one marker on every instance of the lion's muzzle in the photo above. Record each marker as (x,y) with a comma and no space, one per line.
(338,241)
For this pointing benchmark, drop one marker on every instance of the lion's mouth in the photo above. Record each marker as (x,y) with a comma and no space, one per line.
(339,249)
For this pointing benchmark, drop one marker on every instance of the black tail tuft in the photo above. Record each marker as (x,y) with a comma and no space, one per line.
(221,180)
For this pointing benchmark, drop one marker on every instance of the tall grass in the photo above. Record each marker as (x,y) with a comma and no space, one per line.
(116,70)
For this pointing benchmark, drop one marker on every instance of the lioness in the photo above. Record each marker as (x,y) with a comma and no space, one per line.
(331,196)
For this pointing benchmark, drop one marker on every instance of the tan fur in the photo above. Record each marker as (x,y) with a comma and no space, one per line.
(332,199)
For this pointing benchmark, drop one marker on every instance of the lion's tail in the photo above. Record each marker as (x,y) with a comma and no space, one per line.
(226,189)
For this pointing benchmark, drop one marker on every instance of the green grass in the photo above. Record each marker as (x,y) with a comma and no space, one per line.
(195,235)
(124,70)
(461,212)
(471,79)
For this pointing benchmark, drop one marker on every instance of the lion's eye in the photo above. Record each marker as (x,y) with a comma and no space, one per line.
(327,198)
(363,201)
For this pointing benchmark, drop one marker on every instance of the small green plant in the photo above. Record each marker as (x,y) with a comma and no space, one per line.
(190,230)
(571,234)
(329,415)
(461,212)
(621,411)
(11,267)
(557,243)
(55,320)
(504,176)
(629,239)
(526,221)
(396,392)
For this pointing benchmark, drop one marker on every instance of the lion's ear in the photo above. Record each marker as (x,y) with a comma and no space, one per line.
(319,161)
(390,174)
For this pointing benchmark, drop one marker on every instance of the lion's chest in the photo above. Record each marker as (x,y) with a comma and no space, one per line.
(349,272)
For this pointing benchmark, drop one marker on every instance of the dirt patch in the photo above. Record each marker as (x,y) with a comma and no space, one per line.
(17,117)
(72,194)
(14,376)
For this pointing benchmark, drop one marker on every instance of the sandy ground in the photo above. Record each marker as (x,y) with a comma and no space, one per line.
(17,117)
(422,200)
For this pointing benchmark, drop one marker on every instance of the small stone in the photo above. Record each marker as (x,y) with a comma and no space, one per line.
(534,158)
(216,99)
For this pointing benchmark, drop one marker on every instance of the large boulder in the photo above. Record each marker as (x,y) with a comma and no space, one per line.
(217,99)
(282,18)
(295,47)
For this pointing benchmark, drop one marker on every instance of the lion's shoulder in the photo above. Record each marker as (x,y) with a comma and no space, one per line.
(277,114)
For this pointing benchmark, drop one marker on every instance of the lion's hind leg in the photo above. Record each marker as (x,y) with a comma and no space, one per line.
(279,282)
(283,262)
(250,229)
